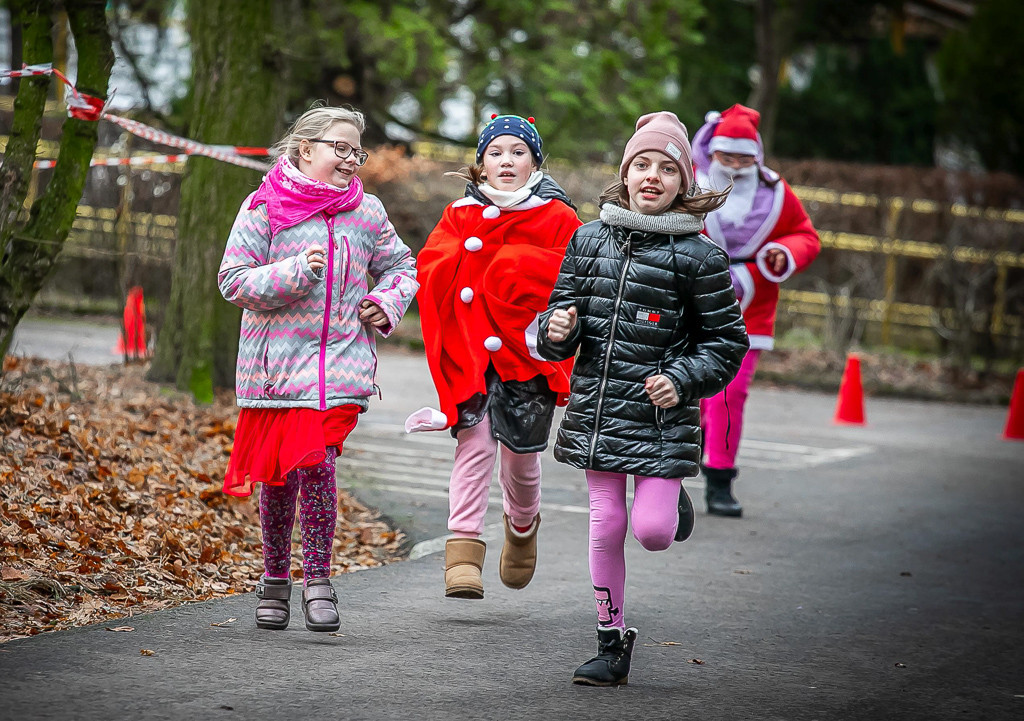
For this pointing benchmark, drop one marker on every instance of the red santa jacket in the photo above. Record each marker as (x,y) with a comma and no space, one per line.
(786,227)
(485,273)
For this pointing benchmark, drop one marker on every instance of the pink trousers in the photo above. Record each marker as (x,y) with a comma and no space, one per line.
(475,457)
(655,516)
(721,416)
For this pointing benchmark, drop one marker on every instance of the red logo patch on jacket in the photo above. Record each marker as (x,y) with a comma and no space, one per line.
(648,316)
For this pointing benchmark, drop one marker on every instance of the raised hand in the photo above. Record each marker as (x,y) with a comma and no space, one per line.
(370,312)
(561,324)
(316,258)
(662,391)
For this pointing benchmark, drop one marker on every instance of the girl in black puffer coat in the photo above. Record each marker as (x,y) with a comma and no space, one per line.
(648,303)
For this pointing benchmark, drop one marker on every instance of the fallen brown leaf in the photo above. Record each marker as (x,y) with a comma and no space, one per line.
(696,661)
(224,623)
(665,643)
(123,629)
(146,652)
(110,501)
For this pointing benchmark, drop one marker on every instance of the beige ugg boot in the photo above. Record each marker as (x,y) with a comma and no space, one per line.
(518,555)
(463,561)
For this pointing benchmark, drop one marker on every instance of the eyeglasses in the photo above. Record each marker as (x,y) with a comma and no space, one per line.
(343,150)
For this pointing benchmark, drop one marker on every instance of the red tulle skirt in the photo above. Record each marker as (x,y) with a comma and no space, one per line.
(270,443)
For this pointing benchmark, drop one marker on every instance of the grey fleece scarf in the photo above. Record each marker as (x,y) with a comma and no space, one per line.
(667,223)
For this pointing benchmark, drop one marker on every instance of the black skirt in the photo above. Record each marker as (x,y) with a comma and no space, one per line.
(520,411)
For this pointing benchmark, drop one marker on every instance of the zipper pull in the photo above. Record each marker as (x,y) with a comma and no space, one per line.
(380,393)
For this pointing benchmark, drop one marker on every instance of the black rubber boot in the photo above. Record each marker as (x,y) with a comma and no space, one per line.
(611,665)
(686,515)
(718,492)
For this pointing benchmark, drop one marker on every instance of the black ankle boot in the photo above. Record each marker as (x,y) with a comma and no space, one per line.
(686,514)
(718,492)
(611,665)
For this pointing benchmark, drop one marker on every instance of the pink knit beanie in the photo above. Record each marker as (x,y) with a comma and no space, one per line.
(664,133)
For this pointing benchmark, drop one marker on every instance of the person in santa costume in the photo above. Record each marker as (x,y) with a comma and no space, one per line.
(768,236)
(485,273)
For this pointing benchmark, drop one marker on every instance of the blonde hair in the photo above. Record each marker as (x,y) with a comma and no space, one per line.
(694,202)
(313,125)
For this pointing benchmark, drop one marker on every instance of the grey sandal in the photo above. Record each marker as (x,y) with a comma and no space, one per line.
(320,605)
(273,610)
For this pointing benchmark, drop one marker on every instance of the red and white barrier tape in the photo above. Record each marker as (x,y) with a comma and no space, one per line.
(135,160)
(87,107)
(226,153)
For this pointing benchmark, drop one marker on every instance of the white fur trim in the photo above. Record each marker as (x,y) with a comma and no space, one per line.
(426,419)
(762,263)
(746,146)
(767,226)
(746,281)
(462,202)
(761,342)
(531,338)
(712,116)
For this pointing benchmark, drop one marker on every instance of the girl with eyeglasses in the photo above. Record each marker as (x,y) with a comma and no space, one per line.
(297,262)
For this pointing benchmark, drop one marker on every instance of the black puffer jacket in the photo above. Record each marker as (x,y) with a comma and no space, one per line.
(648,303)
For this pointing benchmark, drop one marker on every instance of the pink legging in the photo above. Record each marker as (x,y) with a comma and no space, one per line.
(470,484)
(318,513)
(722,422)
(655,516)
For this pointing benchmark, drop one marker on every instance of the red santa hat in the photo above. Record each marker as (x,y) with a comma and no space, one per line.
(736,131)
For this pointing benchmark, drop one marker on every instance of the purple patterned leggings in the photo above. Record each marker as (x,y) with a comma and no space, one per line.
(317,491)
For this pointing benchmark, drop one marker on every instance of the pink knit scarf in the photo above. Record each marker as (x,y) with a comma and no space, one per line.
(292,197)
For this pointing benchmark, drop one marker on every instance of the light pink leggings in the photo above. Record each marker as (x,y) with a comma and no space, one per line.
(475,456)
(722,422)
(655,516)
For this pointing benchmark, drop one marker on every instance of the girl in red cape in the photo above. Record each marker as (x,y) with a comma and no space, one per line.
(485,273)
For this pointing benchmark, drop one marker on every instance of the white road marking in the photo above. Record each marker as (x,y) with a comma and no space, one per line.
(384,457)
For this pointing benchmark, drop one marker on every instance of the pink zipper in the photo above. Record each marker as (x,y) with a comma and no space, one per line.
(327,312)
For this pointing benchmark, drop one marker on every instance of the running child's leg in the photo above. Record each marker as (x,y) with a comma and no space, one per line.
(722,416)
(471,480)
(277,516)
(519,477)
(520,489)
(607,536)
(467,502)
(318,515)
(655,514)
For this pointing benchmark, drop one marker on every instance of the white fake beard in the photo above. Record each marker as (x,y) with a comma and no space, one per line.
(741,197)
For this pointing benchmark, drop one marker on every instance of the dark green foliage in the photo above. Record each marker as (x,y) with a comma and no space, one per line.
(983,83)
(864,103)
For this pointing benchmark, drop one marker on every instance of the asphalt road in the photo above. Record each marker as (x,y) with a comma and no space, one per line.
(877,574)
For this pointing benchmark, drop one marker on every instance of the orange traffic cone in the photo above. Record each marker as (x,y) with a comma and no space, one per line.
(1014,430)
(850,406)
(132,342)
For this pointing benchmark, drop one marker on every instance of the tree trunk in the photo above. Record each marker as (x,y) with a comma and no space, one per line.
(774,30)
(29,252)
(239,95)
